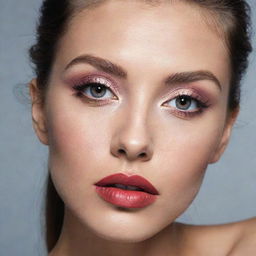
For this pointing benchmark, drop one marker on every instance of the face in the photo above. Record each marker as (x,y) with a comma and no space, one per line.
(158,111)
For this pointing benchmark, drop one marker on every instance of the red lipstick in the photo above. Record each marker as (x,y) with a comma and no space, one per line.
(126,191)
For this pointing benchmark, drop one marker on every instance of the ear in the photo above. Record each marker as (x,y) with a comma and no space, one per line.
(231,118)
(38,112)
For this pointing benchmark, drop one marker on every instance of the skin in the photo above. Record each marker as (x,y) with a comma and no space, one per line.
(138,117)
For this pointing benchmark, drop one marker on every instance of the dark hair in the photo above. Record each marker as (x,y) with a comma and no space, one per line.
(232,16)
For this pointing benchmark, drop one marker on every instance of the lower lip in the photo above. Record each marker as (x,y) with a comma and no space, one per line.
(125,198)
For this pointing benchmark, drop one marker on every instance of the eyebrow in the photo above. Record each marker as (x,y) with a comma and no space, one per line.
(116,70)
(99,63)
(190,77)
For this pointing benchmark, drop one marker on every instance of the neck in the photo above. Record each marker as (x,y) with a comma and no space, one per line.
(77,239)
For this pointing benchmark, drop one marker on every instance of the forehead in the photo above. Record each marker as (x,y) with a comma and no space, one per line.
(168,34)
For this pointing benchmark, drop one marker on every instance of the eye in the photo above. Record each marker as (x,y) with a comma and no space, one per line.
(97,90)
(94,91)
(187,106)
(185,102)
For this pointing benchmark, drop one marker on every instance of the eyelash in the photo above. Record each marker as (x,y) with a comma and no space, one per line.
(79,87)
(200,103)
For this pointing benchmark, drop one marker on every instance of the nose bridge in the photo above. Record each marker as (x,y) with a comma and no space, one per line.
(132,138)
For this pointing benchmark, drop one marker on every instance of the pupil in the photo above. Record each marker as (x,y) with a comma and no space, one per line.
(183,102)
(98,90)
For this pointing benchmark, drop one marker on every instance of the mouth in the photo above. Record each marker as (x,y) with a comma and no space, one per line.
(126,191)
(121,186)
(122,181)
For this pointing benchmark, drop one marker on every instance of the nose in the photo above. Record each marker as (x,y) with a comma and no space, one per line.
(132,141)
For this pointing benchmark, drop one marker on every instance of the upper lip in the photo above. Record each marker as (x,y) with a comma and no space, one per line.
(134,180)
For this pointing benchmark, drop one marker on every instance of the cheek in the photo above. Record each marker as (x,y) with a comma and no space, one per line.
(75,146)
(74,137)
(184,158)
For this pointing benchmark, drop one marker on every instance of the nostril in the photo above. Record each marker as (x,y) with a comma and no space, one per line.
(121,151)
(142,155)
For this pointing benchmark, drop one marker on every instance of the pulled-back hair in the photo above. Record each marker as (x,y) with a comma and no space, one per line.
(232,17)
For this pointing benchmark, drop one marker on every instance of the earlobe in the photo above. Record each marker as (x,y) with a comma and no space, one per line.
(38,112)
(225,136)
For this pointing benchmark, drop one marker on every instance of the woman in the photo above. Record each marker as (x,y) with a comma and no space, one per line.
(134,100)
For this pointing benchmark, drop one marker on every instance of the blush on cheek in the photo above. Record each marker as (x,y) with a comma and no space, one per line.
(189,168)
(75,144)
(68,133)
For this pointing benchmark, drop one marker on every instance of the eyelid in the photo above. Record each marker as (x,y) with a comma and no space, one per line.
(95,77)
(193,92)
(98,80)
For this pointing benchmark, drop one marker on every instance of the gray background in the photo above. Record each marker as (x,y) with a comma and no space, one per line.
(228,192)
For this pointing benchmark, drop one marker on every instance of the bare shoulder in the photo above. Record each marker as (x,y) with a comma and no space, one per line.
(232,239)
(245,244)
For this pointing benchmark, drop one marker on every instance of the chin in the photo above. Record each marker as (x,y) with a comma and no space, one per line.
(125,236)
(126,226)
